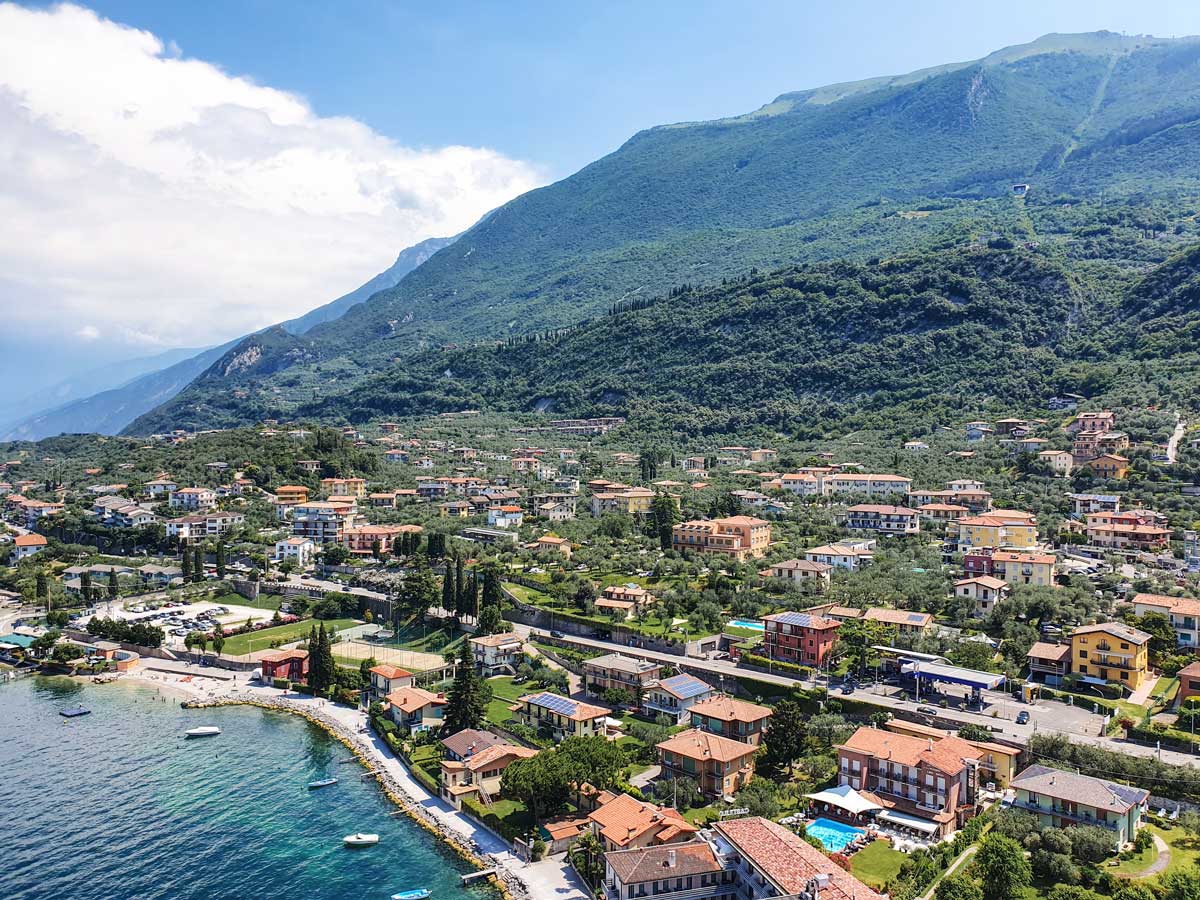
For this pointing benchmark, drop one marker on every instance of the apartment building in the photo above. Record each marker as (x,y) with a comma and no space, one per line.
(921,783)
(362,540)
(719,765)
(736,536)
(1061,799)
(480,774)
(883,519)
(870,485)
(850,555)
(323,521)
(193,498)
(999,528)
(799,638)
(497,654)
(344,487)
(675,697)
(1182,612)
(800,572)
(732,718)
(1012,566)
(1111,652)
(614,671)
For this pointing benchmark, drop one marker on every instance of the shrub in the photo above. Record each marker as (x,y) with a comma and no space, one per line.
(282,683)
(538,850)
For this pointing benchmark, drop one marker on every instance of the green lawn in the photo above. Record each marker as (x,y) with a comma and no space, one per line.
(876,864)
(524,594)
(1185,851)
(1136,864)
(261,640)
(701,815)
(504,695)
(264,601)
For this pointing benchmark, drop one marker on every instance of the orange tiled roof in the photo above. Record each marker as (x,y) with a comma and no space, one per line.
(945,755)
(730,709)
(625,819)
(698,744)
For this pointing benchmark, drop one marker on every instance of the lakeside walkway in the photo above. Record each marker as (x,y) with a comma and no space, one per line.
(550,879)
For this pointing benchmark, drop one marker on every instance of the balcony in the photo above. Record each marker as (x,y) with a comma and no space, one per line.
(700,893)
(1086,817)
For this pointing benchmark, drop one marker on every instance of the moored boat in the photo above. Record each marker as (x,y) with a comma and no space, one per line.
(320,783)
(419,894)
(358,839)
(203,731)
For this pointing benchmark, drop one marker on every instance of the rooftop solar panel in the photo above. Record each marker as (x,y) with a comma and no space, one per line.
(916,617)
(555,703)
(686,686)
(795,618)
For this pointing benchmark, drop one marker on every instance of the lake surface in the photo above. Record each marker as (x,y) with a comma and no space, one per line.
(118,805)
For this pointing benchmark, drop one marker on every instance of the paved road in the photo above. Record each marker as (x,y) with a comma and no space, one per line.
(1173,441)
(1077,723)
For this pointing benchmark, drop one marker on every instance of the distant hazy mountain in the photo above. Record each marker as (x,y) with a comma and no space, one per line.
(408,260)
(814,175)
(137,386)
(111,375)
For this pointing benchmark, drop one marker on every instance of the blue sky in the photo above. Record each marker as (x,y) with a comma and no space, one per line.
(184,173)
(559,84)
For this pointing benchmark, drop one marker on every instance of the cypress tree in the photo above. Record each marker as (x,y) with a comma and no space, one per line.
(114,586)
(220,559)
(185,563)
(464,706)
(198,565)
(449,591)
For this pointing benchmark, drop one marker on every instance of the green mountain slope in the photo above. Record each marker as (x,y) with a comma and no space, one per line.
(812,176)
(921,339)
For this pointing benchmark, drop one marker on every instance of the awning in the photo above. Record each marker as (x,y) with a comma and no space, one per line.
(845,797)
(904,820)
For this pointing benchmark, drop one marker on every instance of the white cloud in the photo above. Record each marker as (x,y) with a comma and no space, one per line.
(154,199)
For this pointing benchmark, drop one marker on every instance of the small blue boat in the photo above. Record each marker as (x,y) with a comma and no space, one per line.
(323,782)
(75,711)
(419,894)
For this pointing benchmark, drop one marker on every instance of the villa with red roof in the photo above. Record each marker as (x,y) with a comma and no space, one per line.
(385,679)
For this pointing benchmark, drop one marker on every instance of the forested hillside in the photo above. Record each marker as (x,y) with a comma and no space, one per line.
(847,172)
(811,350)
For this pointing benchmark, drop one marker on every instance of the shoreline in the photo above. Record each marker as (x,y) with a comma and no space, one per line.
(408,798)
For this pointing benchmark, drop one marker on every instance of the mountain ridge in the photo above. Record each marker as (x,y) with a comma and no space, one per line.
(677,205)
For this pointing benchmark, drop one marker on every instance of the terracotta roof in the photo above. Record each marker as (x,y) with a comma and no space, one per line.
(1013,556)
(899,617)
(657,863)
(1116,629)
(563,706)
(496,640)
(29,540)
(490,757)
(945,755)
(281,655)
(730,709)
(1043,650)
(1186,606)
(698,744)
(788,861)
(624,819)
(410,699)
(883,509)
(470,740)
(391,672)
(985,580)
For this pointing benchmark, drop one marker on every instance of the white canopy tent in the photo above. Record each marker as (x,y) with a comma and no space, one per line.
(845,797)
(904,820)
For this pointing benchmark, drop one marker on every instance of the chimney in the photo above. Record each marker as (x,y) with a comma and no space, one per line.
(931,745)
(670,859)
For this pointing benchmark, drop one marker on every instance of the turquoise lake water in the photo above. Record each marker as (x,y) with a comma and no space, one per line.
(118,805)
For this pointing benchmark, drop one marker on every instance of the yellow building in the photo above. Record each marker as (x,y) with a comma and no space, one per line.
(1016,567)
(1016,530)
(291,494)
(1111,652)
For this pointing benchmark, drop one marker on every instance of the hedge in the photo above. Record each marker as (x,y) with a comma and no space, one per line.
(763,662)
(282,683)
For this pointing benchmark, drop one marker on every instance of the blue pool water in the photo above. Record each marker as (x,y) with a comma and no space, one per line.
(833,835)
(742,623)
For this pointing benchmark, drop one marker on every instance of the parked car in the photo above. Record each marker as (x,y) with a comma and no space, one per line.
(927,711)
(848,688)
(1023,717)
(555,633)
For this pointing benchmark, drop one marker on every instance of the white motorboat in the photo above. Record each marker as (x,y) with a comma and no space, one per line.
(203,731)
(358,839)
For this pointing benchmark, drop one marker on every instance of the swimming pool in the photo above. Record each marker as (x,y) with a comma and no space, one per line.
(742,623)
(833,835)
